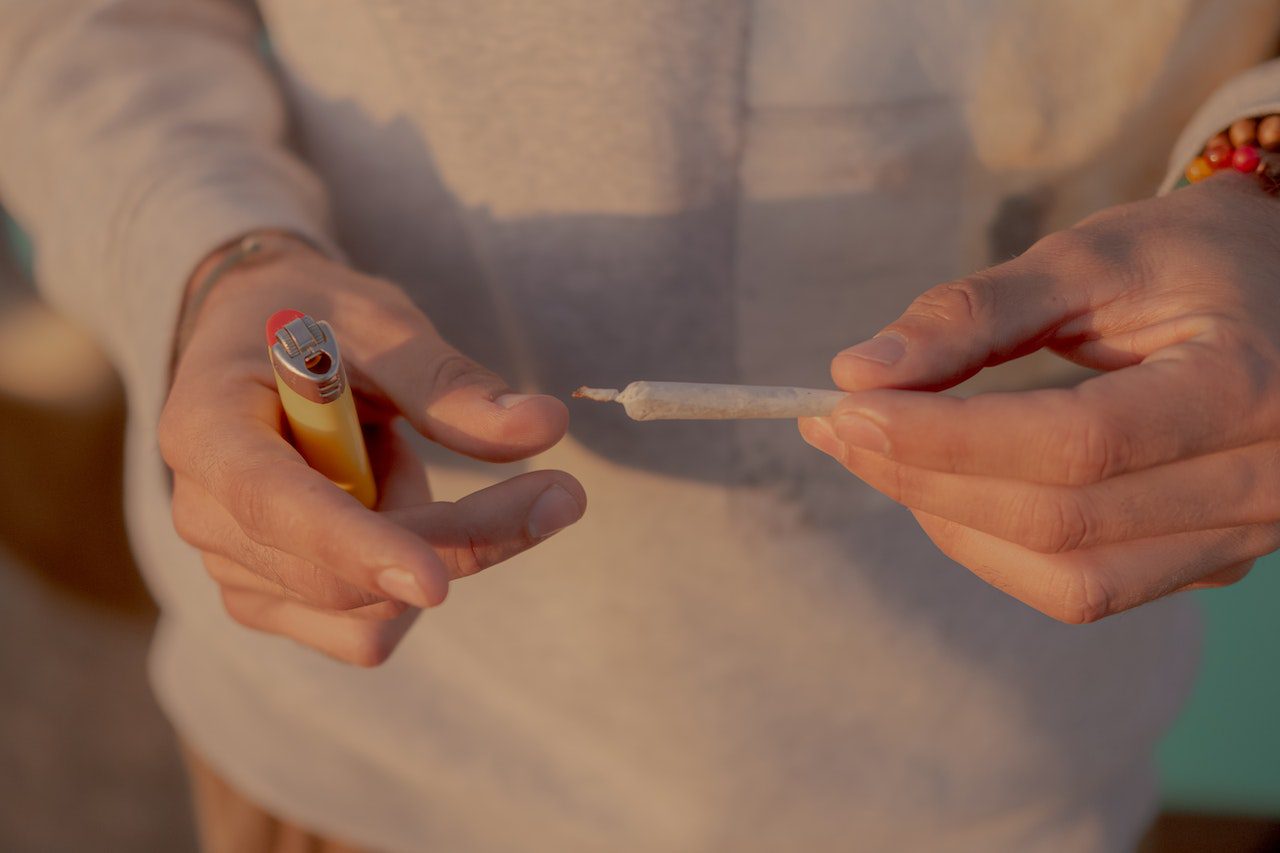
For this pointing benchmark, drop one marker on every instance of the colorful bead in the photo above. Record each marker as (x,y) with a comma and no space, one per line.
(1219,139)
(1269,133)
(1245,159)
(1199,170)
(1243,132)
(1219,154)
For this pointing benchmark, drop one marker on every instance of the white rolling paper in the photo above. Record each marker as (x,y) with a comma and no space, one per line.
(651,401)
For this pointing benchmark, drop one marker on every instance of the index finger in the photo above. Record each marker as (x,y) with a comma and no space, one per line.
(1182,402)
(953,330)
(234,449)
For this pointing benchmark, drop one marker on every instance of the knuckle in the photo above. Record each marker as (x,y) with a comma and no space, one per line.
(220,571)
(248,496)
(1067,244)
(369,646)
(1248,369)
(469,557)
(1097,246)
(381,611)
(901,486)
(239,609)
(965,300)
(1217,330)
(464,547)
(949,536)
(263,563)
(1084,597)
(1092,450)
(451,369)
(325,590)
(169,432)
(892,479)
(383,301)
(354,599)
(1226,577)
(1056,522)
(184,516)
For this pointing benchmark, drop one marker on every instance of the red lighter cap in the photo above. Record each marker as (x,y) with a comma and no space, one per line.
(278,321)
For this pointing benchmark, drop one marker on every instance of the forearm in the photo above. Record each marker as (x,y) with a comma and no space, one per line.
(140,136)
(261,247)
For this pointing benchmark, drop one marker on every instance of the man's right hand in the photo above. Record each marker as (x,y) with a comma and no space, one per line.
(295,555)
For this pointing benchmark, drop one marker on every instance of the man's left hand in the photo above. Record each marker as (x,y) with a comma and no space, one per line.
(1160,474)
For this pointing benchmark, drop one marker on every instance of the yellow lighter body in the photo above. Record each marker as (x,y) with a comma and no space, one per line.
(318,402)
(328,436)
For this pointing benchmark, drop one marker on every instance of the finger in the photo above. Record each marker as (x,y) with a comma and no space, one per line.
(401,475)
(953,330)
(205,524)
(231,575)
(202,522)
(351,640)
(1223,577)
(497,523)
(1228,489)
(448,397)
(1182,402)
(1085,586)
(227,439)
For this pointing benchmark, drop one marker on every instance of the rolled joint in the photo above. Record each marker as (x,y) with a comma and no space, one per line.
(600,395)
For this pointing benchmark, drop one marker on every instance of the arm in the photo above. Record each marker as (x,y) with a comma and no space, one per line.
(140,136)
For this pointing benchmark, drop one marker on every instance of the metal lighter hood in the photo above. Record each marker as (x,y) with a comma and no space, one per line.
(305,356)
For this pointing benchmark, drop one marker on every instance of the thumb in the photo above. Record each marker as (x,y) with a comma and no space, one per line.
(952,331)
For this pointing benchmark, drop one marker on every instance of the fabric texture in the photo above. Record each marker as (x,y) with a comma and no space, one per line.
(740,647)
(227,822)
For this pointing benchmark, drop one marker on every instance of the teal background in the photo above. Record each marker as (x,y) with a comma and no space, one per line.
(1223,753)
(18,244)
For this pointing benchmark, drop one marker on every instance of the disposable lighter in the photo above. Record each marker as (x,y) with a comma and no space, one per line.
(318,402)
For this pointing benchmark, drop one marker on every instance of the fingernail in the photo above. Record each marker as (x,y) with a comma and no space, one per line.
(822,436)
(884,349)
(401,585)
(555,509)
(510,401)
(860,431)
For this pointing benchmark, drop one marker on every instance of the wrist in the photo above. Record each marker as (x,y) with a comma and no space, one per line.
(228,263)
(1248,146)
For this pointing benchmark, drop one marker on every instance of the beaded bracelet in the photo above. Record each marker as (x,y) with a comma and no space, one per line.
(1245,147)
(254,247)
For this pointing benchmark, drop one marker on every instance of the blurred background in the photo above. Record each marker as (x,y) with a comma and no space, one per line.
(90,764)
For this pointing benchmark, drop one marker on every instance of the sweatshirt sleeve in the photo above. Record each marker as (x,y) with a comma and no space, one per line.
(136,136)
(1253,93)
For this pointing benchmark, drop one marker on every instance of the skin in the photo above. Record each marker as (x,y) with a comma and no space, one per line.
(291,553)
(1160,474)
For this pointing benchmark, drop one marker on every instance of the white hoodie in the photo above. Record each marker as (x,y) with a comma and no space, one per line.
(740,648)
